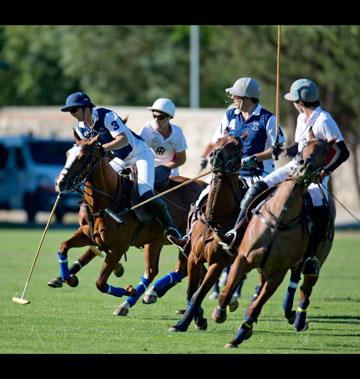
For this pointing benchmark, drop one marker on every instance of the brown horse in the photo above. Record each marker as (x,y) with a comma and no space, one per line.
(221,210)
(275,239)
(104,189)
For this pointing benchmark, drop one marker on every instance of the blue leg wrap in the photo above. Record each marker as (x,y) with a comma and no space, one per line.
(64,268)
(216,287)
(249,319)
(237,292)
(166,282)
(115,291)
(289,297)
(244,332)
(140,289)
(300,320)
(184,323)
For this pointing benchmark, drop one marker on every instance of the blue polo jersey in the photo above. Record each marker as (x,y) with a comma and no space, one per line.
(261,134)
(106,127)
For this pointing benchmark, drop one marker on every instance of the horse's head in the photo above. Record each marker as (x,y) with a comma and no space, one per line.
(80,162)
(226,156)
(311,160)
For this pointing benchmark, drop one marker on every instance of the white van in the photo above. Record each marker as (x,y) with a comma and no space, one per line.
(28,169)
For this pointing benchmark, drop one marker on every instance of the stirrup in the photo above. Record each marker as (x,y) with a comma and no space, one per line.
(178,242)
(172,231)
(227,241)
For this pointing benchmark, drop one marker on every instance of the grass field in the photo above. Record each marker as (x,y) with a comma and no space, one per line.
(79,320)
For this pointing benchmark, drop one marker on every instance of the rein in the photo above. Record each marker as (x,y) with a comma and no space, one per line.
(278,221)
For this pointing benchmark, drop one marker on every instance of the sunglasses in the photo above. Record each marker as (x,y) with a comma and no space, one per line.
(73,110)
(159,116)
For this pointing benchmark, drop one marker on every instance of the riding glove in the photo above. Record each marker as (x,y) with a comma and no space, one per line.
(203,162)
(249,162)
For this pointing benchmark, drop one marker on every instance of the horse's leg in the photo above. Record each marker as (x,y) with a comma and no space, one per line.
(162,285)
(75,268)
(151,254)
(290,293)
(254,309)
(194,272)
(237,272)
(258,288)
(112,257)
(305,292)
(78,239)
(237,292)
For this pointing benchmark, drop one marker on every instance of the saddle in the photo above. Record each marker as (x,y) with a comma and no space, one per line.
(131,197)
(259,200)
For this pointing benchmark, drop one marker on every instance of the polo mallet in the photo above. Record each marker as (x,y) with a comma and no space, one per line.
(117,217)
(21,300)
(277,93)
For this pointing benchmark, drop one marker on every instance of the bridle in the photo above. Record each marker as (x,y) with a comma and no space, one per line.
(306,170)
(224,162)
(91,160)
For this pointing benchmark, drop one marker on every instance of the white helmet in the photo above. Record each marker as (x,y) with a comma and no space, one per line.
(164,106)
(245,87)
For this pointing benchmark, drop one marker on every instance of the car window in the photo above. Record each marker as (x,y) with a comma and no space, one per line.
(19,157)
(4,153)
(49,152)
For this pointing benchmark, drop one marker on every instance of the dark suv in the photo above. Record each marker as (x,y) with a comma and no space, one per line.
(28,169)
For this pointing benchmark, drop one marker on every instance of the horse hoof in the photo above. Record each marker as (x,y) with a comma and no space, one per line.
(174,329)
(230,345)
(121,310)
(290,316)
(73,281)
(180,311)
(219,315)
(119,270)
(55,283)
(233,305)
(305,327)
(149,299)
(201,325)
(131,291)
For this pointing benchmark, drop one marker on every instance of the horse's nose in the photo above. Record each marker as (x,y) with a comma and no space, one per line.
(60,183)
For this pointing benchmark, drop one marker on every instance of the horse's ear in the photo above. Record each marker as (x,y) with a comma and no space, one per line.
(93,141)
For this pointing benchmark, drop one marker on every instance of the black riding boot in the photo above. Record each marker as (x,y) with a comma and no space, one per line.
(159,209)
(250,195)
(319,218)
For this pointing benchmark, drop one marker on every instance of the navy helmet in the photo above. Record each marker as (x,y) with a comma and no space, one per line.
(77,99)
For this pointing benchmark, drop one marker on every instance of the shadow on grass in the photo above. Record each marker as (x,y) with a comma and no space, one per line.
(33,225)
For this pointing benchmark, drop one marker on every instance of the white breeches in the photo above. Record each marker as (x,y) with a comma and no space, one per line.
(314,190)
(144,163)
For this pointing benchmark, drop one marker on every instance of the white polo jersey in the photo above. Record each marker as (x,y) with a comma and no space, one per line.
(323,126)
(164,149)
